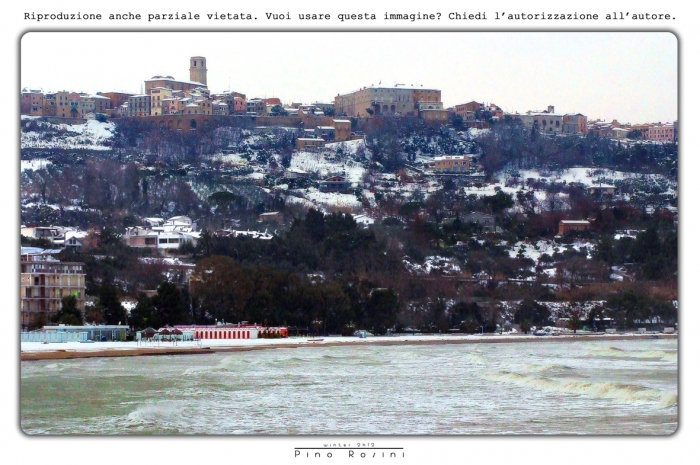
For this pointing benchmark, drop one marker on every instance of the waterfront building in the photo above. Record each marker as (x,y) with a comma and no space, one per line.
(45,281)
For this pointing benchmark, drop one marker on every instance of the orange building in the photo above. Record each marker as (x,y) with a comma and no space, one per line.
(117,98)
(575,123)
(573,225)
(342,129)
(450,164)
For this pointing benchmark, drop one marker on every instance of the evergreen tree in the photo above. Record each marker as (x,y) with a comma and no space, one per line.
(112,311)
(169,305)
(533,313)
(382,309)
(69,313)
(144,315)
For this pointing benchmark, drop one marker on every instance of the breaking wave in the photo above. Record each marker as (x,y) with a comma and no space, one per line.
(164,414)
(614,352)
(668,399)
(550,367)
(618,392)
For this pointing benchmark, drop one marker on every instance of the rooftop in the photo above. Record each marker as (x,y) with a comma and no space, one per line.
(170,78)
(395,86)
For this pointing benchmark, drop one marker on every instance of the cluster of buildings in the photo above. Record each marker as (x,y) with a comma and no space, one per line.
(45,280)
(66,104)
(659,132)
(158,233)
(162,95)
(339,130)
(60,236)
(469,111)
(550,122)
(165,95)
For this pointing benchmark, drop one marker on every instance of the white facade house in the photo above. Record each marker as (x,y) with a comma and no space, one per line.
(168,234)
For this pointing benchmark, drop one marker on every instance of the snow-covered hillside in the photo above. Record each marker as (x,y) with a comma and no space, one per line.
(91,135)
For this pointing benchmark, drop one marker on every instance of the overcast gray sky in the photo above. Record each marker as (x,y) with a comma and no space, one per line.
(632,77)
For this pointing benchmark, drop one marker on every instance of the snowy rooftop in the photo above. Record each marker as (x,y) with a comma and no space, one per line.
(451,157)
(543,114)
(395,86)
(170,78)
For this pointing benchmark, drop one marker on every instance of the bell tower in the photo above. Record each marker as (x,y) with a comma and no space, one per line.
(198,70)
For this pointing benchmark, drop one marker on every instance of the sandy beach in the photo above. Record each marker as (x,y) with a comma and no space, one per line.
(67,350)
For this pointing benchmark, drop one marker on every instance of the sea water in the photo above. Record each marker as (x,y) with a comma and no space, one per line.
(578,387)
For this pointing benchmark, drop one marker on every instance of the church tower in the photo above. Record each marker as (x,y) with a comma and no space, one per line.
(198,70)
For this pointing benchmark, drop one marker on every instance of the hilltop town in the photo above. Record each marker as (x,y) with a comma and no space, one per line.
(381,210)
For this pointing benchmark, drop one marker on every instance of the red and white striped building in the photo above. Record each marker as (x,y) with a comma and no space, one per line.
(237,331)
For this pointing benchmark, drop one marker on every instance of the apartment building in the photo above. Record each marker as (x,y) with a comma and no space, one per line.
(36,103)
(257,106)
(45,281)
(158,96)
(68,104)
(235,101)
(49,104)
(86,105)
(116,99)
(662,132)
(220,107)
(140,105)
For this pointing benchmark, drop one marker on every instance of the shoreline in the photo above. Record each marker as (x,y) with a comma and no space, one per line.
(294,343)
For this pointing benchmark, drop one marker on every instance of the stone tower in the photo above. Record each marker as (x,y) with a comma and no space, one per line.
(198,70)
